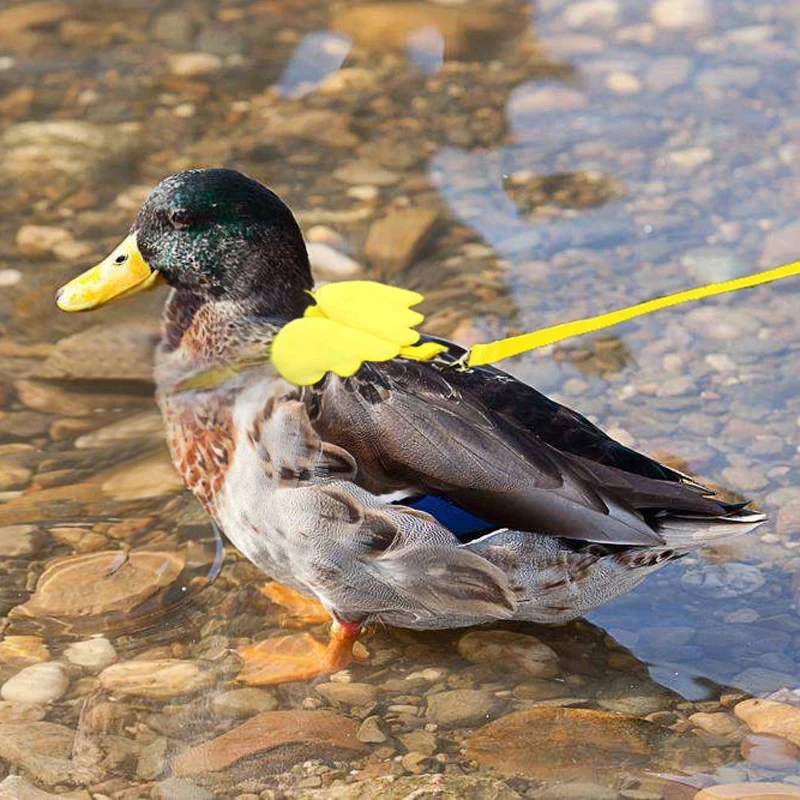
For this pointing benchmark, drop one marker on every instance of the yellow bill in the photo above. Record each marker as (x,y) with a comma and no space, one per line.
(120,274)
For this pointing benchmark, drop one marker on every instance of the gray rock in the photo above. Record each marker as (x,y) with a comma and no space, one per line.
(723,580)
(370,731)
(241,703)
(509,652)
(713,264)
(348,694)
(180,789)
(462,708)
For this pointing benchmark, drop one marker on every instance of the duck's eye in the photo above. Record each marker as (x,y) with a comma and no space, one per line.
(181,218)
(121,258)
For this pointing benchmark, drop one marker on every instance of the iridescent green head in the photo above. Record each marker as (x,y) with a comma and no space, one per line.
(212,234)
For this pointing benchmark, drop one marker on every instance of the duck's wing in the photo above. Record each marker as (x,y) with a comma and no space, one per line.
(498,449)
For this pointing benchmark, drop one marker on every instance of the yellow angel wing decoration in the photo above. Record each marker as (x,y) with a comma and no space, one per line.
(305,349)
(384,311)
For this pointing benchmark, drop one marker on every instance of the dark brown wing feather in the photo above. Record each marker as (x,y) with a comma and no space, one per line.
(500,450)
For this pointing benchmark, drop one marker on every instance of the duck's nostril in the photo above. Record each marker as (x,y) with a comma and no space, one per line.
(59,292)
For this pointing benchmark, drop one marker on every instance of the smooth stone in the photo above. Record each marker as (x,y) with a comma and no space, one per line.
(370,731)
(713,264)
(151,477)
(13,476)
(241,703)
(723,581)
(16,540)
(769,716)
(326,733)
(328,262)
(36,685)
(145,425)
(93,584)
(678,15)
(22,651)
(509,652)
(576,744)
(396,240)
(424,787)
(15,787)
(180,789)
(419,741)
(348,694)
(95,653)
(718,723)
(780,245)
(461,708)
(770,752)
(42,749)
(193,65)
(159,678)
(749,791)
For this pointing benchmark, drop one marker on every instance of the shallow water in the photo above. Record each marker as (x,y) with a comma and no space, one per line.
(574,157)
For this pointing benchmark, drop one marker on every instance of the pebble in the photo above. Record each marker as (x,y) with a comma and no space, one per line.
(718,724)
(396,240)
(329,263)
(461,708)
(419,741)
(96,653)
(348,694)
(510,652)
(9,278)
(531,98)
(16,540)
(36,685)
(623,82)
(160,678)
(723,581)
(691,157)
(370,731)
(713,264)
(681,14)
(770,752)
(749,791)
(180,789)
(594,13)
(39,240)
(780,245)
(241,703)
(192,65)
(769,716)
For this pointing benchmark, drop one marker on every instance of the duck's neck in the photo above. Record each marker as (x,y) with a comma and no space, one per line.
(212,330)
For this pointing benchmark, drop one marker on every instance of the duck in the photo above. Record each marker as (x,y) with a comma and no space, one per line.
(408,493)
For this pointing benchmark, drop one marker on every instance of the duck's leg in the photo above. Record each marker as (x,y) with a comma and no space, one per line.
(299,609)
(298,657)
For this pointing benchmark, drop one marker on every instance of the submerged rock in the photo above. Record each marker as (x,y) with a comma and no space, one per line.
(91,584)
(768,716)
(36,685)
(40,748)
(316,734)
(579,744)
(462,708)
(162,678)
(509,652)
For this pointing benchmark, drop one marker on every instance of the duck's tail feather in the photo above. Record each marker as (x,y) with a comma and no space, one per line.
(687,532)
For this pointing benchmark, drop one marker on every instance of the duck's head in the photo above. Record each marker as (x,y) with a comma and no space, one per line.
(211,234)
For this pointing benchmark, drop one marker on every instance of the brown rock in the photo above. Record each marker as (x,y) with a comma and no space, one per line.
(40,748)
(22,651)
(51,399)
(159,678)
(751,791)
(153,476)
(509,652)
(123,351)
(567,744)
(771,752)
(462,708)
(768,716)
(425,787)
(319,731)
(394,241)
(92,584)
(19,19)
(348,694)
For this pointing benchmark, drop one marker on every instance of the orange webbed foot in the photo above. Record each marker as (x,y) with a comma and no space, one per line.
(297,657)
(299,609)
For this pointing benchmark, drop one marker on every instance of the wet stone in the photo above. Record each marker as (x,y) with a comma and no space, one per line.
(770,752)
(91,654)
(40,748)
(161,678)
(768,716)
(370,731)
(22,651)
(394,241)
(93,584)
(16,540)
(348,694)
(441,787)
(241,703)
(509,652)
(753,791)
(723,580)
(36,685)
(180,789)
(462,708)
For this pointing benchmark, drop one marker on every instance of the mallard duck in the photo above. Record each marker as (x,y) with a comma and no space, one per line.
(410,493)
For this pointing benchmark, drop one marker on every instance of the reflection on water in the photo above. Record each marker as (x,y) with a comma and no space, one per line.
(525,168)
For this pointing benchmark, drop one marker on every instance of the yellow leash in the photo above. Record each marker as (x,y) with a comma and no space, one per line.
(515,345)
